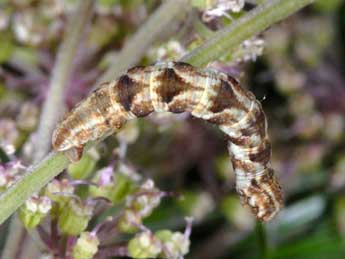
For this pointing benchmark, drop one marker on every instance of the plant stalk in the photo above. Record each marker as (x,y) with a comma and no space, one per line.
(262,239)
(254,22)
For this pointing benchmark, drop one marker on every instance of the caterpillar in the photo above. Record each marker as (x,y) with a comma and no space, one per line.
(179,87)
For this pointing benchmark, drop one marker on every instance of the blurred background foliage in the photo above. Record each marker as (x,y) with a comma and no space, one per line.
(296,69)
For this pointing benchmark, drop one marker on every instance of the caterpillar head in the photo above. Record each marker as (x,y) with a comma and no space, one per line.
(262,194)
(61,142)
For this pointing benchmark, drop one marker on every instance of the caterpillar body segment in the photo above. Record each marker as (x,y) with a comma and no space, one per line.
(179,87)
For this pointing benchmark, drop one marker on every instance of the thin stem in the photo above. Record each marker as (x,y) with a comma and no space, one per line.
(32,181)
(14,238)
(262,239)
(45,237)
(112,251)
(247,26)
(53,105)
(251,24)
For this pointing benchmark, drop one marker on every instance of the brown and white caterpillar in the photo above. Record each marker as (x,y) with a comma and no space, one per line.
(179,87)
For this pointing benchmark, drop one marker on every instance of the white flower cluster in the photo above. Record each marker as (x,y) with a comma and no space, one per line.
(252,48)
(146,199)
(172,50)
(161,244)
(10,173)
(221,7)
(37,203)
(60,187)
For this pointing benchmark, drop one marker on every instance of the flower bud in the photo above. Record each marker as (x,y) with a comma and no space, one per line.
(10,173)
(146,199)
(34,211)
(112,186)
(59,191)
(176,244)
(56,188)
(129,221)
(74,217)
(144,245)
(86,246)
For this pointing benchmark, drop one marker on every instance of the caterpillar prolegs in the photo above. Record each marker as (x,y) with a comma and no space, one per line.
(179,87)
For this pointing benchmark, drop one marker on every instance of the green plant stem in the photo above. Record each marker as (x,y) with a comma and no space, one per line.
(251,24)
(262,239)
(53,105)
(32,181)
(254,22)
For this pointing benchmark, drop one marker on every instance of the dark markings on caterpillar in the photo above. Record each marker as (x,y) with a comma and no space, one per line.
(171,85)
(127,90)
(179,87)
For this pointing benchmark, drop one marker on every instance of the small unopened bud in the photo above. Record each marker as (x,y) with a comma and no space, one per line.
(56,187)
(113,186)
(146,199)
(129,221)
(74,217)
(249,50)
(10,173)
(59,191)
(86,246)
(34,211)
(144,245)
(175,244)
